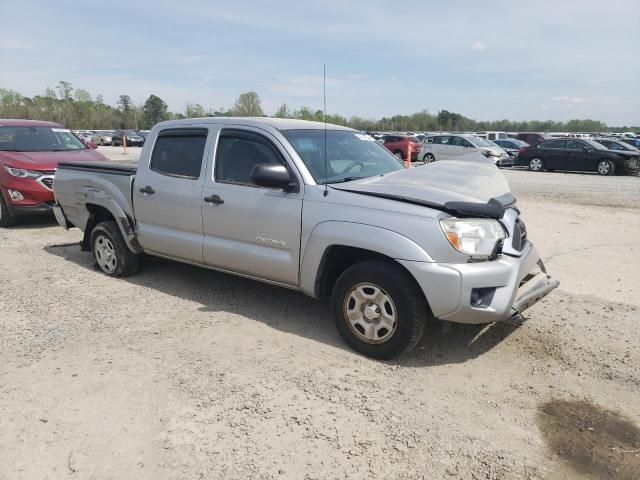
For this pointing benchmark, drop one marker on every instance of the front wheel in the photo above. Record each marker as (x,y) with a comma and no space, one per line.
(379,309)
(111,252)
(605,167)
(399,155)
(6,220)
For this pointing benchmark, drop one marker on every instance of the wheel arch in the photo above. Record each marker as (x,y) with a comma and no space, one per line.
(335,246)
(101,207)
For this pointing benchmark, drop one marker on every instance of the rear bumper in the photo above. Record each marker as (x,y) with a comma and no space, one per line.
(483,292)
(61,218)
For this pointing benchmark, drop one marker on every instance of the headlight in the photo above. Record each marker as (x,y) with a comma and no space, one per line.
(20,173)
(491,153)
(475,237)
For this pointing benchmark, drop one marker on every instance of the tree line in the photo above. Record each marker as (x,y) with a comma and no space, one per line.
(76,108)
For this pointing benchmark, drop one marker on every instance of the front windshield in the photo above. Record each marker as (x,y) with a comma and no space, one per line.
(38,139)
(480,142)
(350,155)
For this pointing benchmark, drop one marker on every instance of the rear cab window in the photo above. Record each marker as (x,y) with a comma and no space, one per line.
(178,152)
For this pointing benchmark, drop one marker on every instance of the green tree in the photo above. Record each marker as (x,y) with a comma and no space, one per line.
(154,111)
(248,105)
(194,110)
(283,111)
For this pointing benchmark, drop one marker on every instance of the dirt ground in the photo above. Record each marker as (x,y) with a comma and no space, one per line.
(180,372)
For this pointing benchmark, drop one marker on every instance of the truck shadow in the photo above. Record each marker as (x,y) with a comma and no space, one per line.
(291,311)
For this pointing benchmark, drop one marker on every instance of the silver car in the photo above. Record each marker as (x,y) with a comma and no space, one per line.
(455,146)
(103,137)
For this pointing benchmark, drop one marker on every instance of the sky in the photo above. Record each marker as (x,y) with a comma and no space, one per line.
(488,60)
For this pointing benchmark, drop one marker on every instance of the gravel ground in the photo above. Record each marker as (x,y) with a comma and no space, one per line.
(180,372)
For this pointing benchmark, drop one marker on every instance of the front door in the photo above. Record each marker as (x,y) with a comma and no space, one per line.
(578,156)
(167,194)
(249,229)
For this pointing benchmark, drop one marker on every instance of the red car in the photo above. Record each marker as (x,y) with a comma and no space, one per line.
(30,151)
(401,145)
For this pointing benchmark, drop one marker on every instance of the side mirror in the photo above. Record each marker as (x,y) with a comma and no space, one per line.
(271,176)
(586,149)
(92,145)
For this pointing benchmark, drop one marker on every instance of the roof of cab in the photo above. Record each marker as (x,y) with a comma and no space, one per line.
(15,122)
(277,123)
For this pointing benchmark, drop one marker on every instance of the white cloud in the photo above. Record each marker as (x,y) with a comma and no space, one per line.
(594,82)
(568,100)
(14,45)
(479,46)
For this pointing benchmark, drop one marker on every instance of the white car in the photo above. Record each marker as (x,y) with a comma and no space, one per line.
(493,135)
(452,146)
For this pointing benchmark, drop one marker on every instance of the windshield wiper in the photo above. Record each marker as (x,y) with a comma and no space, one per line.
(347,179)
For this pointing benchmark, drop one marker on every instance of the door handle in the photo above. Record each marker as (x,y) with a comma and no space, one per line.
(148,190)
(214,199)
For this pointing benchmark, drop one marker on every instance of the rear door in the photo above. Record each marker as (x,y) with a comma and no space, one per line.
(167,195)
(442,149)
(249,229)
(554,154)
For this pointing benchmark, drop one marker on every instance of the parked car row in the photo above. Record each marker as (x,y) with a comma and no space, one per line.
(112,137)
(606,155)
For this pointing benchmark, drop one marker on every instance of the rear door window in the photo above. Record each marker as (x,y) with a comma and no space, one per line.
(178,152)
(554,144)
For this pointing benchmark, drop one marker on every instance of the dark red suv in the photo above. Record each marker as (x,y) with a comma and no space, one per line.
(533,138)
(401,145)
(30,151)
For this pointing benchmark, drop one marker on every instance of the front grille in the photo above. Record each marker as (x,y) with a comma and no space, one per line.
(519,235)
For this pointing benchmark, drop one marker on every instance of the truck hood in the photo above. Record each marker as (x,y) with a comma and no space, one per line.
(48,160)
(455,186)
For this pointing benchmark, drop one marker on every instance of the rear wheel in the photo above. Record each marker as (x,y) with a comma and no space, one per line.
(535,164)
(606,167)
(6,220)
(111,252)
(428,158)
(379,309)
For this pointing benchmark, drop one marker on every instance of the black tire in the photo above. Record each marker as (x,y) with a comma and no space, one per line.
(122,262)
(606,167)
(407,303)
(399,154)
(428,158)
(6,220)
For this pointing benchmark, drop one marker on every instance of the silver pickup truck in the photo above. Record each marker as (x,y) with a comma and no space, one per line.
(321,209)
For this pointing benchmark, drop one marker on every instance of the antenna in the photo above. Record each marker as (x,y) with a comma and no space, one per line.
(324,119)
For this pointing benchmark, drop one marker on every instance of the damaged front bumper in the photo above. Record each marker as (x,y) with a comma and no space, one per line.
(483,292)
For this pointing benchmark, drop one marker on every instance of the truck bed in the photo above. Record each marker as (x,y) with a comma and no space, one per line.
(101,183)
